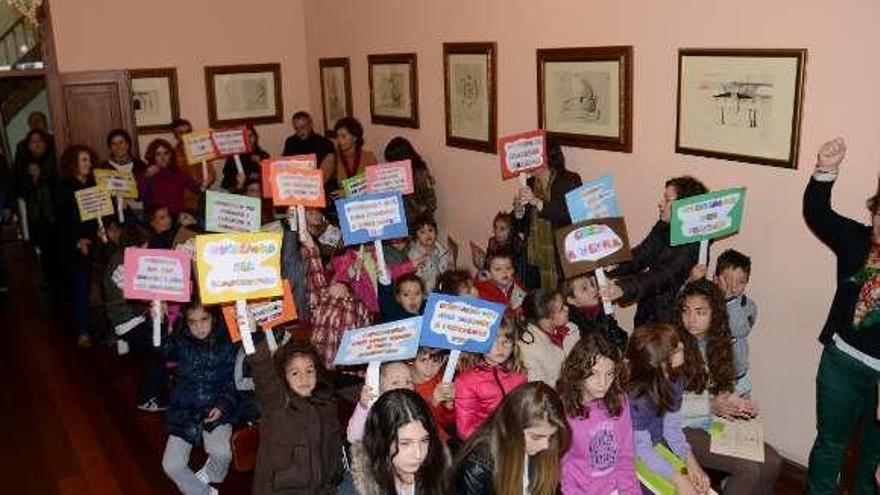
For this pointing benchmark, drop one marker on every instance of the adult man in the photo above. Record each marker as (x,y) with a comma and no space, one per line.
(305,141)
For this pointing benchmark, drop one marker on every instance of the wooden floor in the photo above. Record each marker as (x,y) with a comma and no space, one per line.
(69,425)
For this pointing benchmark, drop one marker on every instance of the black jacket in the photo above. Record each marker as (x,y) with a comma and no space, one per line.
(851,242)
(315,143)
(474,474)
(602,323)
(655,274)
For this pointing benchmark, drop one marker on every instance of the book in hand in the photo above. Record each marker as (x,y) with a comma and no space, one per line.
(657,483)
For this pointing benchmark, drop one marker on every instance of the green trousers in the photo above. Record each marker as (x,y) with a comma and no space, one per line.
(846,403)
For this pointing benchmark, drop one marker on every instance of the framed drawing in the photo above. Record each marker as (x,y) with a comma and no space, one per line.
(470,95)
(335,89)
(154,99)
(585,96)
(741,104)
(394,89)
(244,94)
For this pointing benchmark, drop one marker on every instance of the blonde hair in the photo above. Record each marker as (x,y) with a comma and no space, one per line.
(508,328)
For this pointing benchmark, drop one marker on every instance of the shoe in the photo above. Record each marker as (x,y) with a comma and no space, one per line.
(202,474)
(84,341)
(152,405)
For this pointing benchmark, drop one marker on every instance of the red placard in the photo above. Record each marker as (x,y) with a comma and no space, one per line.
(232,141)
(521,153)
(267,166)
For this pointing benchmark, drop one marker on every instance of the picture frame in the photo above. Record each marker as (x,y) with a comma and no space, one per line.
(155,98)
(394,89)
(470,95)
(585,96)
(741,105)
(335,76)
(244,94)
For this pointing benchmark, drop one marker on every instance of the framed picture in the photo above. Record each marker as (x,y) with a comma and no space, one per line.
(741,104)
(470,95)
(154,99)
(394,89)
(335,89)
(585,96)
(244,94)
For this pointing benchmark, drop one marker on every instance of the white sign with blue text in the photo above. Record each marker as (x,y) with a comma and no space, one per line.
(371,217)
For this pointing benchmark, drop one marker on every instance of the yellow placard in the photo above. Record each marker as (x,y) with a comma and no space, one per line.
(93,202)
(199,147)
(117,182)
(233,267)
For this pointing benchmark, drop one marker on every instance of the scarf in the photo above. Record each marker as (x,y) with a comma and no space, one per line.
(541,247)
(558,334)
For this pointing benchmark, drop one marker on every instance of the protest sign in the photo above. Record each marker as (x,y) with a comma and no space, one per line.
(371,217)
(297,186)
(235,267)
(268,165)
(704,217)
(199,147)
(354,185)
(390,177)
(156,275)
(267,313)
(231,212)
(393,341)
(521,153)
(232,141)
(120,183)
(594,199)
(93,203)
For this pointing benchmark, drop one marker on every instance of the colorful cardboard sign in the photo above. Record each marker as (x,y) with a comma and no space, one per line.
(268,165)
(118,183)
(297,186)
(371,217)
(157,275)
(231,212)
(234,267)
(354,185)
(232,141)
(592,244)
(521,153)
(268,313)
(594,199)
(390,177)
(460,323)
(93,203)
(395,341)
(199,147)
(707,216)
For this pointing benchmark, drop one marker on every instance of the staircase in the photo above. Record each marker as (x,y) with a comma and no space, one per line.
(21,47)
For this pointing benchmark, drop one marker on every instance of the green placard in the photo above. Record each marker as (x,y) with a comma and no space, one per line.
(656,482)
(354,185)
(231,212)
(707,216)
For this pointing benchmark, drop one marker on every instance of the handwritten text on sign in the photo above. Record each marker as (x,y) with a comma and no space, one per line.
(372,216)
(594,199)
(199,147)
(522,153)
(390,177)
(461,323)
(592,244)
(231,212)
(268,166)
(388,342)
(117,182)
(93,202)
(231,141)
(706,216)
(297,186)
(157,274)
(238,266)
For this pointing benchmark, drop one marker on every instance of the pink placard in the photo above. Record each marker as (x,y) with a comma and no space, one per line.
(522,153)
(232,141)
(390,177)
(157,275)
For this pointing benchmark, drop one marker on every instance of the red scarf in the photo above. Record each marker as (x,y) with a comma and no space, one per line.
(558,334)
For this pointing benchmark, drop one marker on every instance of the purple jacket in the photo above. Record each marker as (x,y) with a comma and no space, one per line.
(602,455)
(651,429)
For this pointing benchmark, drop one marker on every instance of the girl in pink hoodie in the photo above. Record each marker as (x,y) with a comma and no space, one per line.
(491,376)
(602,455)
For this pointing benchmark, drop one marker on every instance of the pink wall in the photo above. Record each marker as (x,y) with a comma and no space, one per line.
(793,272)
(127,34)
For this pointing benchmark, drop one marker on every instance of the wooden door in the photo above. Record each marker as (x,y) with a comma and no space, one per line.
(91,104)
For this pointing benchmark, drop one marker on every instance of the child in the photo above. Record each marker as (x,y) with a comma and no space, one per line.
(708,375)
(328,236)
(427,371)
(732,272)
(404,300)
(549,336)
(162,226)
(655,356)
(396,251)
(392,376)
(358,268)
(202,402)
(457,283)
(585,310)
(501,285)
(484,384)
(437,258)
(300,451)
(504,239)
(601,458)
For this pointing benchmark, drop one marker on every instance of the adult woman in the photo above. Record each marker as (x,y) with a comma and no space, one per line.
(79,237)
(37,149)
(350,158)
(121,159)
(540,209)
(657,270)
(164,182)
(423,201)
(401,452)
(518,450)
(846,384)
(250,163)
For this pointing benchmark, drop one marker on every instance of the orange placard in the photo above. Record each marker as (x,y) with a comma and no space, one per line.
(268,313)
(296,186)
(267,166)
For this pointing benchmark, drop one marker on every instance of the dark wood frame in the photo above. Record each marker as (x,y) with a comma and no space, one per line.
(214,70)
(794,141)
(330,63)
(410,59)
(490,51)
(623,55)
(169,73)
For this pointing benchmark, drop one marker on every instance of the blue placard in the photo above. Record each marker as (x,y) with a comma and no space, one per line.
(370,217)
(395,341)
(462,323)
(594,199)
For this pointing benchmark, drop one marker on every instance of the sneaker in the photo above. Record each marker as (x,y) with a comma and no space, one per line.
(152,405)
(202,474)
